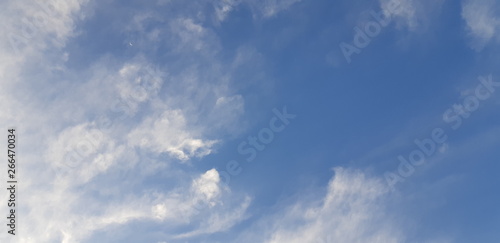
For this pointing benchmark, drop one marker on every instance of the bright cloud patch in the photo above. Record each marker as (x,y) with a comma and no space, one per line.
(483,23)
(128,113)
(351,211)
(169,133)
(96,134)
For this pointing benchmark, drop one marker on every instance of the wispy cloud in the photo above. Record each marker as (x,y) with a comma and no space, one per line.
(482,22)
(411,14)
(86,176)
(354,209)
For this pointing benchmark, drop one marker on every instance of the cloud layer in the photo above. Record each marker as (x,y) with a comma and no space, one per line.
(353,210)
(482,22)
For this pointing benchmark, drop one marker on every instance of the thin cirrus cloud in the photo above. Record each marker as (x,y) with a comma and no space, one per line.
(352,210)
(80,158)
(111,141)
(482,22)
(481,18)
(410,14)
(355,207)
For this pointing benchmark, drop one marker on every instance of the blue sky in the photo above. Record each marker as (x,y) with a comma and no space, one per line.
(269,121)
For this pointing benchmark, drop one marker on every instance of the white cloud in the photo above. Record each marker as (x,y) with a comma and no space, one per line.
(32,27)
(354,209)
(403,10)
(222,221)
(269,8)
(169,133)
(204,193)
(85,148)
(137,83)
(223,8)
(207,187)
(75,215)
(80,176)
(412,14)
(261,9)
(482,22)
(208,203)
